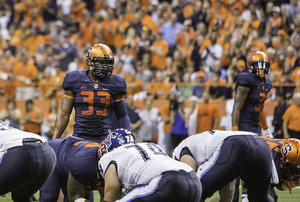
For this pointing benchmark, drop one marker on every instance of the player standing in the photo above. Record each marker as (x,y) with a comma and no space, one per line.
(251,89)
(94,94)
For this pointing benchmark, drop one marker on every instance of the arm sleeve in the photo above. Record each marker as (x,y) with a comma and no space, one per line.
(121,114)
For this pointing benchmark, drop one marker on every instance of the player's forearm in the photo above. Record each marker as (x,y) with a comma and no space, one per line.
(124,122)
(235,117)
(61,123)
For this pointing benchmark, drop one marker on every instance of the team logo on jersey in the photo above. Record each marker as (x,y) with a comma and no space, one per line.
(286,149)
(96,85)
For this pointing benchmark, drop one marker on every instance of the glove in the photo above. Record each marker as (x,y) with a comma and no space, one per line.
(267,133)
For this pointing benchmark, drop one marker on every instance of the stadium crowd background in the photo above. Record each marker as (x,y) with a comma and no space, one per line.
(160,47)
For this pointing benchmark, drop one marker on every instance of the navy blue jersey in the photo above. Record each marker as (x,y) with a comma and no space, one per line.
(250,112)
(78,157)
(93,102)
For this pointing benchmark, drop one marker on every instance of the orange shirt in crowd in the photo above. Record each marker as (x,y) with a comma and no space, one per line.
(274,68)
(181,37)
(108,31)
(32,127)
(187,52)
(135,86)
(77,10)
(226,60)
(237,3)
(257,46)
(120,36)
(29,71)
(275,44)
(160,61)
(296,74)
(292,116)
(165,112)
(221,12)
(19,8)
(147,21)
(88,32)
(205,116)
(160,89)
(39,21)
(32,42)
(188,11)
(129,17)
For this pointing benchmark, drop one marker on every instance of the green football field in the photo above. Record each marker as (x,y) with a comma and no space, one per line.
(284,196)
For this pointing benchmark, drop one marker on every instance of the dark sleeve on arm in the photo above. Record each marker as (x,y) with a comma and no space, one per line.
(121,114)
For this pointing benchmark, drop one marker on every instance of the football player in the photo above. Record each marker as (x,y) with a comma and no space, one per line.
(94,94)
(144,171)
(286,156)
(219,157)
(26,162)
(76,171)
(251,90)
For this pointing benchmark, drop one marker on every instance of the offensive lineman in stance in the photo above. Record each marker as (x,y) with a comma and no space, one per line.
(94,94)
(26,162)
(145,171)
(219,157)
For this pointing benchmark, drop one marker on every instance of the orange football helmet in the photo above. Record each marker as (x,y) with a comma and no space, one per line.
(100,60)
(289,153)
(259,64)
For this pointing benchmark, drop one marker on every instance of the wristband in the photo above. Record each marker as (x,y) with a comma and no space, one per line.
(234,128)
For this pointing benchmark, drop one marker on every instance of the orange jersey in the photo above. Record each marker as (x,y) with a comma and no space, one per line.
(274,144)
(206,115)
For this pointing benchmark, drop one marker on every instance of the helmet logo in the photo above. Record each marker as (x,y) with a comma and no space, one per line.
(87,56)
(286,149)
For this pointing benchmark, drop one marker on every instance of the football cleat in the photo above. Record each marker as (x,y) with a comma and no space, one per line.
(259,64)
(115,139)
(100,60)
(289,153)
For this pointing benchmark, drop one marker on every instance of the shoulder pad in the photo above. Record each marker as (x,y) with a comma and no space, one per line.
(268,83)
(118,85)
(71,79)
(245,79)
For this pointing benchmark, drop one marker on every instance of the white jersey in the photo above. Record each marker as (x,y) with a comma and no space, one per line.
(203,145)
(138,164)
(11,137)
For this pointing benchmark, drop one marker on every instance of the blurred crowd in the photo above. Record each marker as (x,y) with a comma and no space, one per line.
(161,47)
(184,45)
